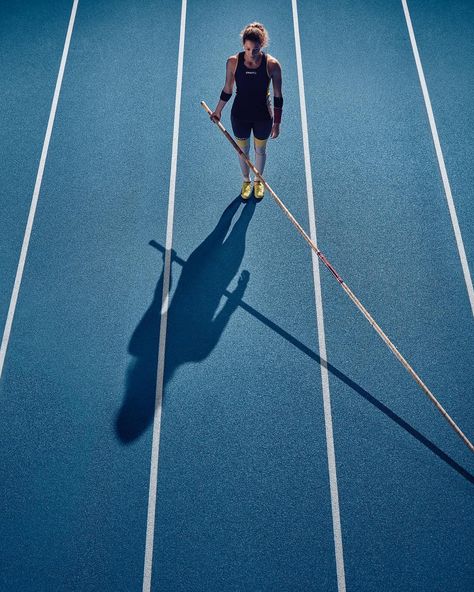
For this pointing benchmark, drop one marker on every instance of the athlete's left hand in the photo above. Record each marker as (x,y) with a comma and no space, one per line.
(275,130)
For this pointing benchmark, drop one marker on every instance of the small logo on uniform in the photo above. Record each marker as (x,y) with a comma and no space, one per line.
(247,72)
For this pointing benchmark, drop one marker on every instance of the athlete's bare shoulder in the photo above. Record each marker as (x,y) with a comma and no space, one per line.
(273,64)
(231,64)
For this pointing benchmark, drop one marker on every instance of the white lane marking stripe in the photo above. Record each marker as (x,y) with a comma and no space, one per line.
(36,192)
(336,520)
(439,154)
(152,494)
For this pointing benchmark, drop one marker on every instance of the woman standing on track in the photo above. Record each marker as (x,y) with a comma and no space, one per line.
(252,70)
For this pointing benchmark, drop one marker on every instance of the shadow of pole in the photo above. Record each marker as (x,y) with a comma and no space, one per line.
(195,326)
(345,379)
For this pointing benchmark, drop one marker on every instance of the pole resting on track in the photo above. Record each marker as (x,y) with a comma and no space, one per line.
(347,290)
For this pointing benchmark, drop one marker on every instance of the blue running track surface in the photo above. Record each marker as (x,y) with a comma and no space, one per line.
(243,499)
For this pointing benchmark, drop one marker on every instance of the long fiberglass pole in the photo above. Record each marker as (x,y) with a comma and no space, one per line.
(347,290)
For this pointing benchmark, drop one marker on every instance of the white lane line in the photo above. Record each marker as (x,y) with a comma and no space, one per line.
(155,449)
(336,519)
(439,154)
(36,192)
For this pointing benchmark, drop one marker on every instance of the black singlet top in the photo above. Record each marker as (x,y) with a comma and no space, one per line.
(252,98)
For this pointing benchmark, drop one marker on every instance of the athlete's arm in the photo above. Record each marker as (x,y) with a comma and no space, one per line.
(228,86)
(274,69)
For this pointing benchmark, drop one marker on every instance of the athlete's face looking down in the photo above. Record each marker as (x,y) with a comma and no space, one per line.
(252,50)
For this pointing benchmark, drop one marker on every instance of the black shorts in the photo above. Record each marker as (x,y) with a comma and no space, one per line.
(261,129)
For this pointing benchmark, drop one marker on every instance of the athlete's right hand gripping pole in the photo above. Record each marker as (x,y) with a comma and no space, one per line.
(346,289)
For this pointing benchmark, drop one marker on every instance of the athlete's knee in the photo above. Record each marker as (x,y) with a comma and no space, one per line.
(243,144)
(260,146)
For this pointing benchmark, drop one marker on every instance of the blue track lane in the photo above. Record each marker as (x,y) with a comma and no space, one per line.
(445,36)
(383,220)
(243,493)
(32,38)
(73,496)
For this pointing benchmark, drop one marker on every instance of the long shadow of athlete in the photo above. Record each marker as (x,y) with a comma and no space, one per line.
(194,329)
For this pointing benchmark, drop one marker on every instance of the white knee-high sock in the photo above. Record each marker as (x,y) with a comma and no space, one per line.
(244,145)
(260,154)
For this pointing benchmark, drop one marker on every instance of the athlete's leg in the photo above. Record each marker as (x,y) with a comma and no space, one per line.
(261,132)
(260,155)
(241,131)
(244,145)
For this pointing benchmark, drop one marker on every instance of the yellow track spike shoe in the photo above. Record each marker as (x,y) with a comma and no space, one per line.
(258,189)
(246,190)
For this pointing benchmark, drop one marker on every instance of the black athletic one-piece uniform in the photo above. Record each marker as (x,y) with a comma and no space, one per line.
(251,106)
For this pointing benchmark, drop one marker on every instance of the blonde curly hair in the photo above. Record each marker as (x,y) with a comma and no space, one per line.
(255,32)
